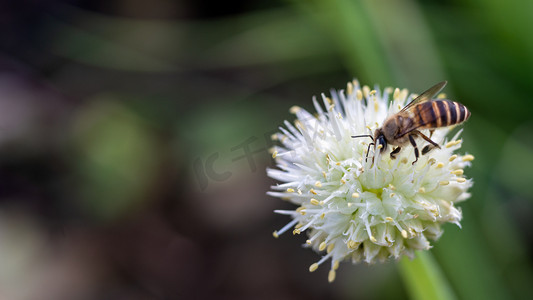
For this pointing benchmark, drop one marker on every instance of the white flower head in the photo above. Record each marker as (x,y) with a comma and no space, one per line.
(359,209)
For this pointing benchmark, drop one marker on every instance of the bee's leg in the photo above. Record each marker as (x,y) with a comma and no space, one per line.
(368,151)
(394,152)
(426,138)
(426,149)
(412,140)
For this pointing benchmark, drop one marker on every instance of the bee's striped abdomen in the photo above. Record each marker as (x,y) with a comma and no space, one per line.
(441,113)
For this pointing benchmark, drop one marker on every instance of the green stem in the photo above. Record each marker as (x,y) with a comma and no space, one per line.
(424,279)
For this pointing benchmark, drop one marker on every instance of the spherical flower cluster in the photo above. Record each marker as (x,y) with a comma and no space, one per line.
(358,208)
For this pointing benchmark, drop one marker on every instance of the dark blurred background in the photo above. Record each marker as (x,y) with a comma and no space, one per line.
(134,137)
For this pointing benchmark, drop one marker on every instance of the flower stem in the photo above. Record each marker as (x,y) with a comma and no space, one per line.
(424,279)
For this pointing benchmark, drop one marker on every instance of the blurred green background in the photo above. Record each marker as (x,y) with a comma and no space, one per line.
(125,124)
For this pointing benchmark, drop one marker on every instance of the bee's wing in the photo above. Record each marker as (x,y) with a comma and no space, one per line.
(426,96)
(417,122)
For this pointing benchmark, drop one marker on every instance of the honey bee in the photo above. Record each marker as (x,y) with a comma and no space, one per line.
(423,112)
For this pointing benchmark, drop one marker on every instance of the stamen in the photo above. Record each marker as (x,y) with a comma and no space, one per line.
(274,154)
(285,228)
(453,157)
(444,182)
(289,190)
(314,201)
(461,180)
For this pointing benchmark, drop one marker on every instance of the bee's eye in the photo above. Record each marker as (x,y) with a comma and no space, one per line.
(381,141)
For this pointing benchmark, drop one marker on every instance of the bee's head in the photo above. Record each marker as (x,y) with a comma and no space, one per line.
(379,139)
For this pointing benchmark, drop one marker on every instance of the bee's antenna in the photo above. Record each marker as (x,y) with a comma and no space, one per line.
(363,135)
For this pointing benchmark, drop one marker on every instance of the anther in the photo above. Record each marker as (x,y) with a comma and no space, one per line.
(274,154)
(330,248)
(275,234)
(373,239)
(289,190)
(349,89)
(322,246)
(458,172)
(296,231)
(461,180)
(352,244)
(452,143)
(396,93)
(314,201)
(389,219)
(322,216)
(295,109)
(440,165)
(299,192)
(453,157)
(343,181)
(331,276)
(313,191)
(366,91)
(318,184)
(444,182)
(422,190)
(336,265)
(392,187)
(468,157)
(404,234)
(359,95)
(313,267)
(355,195)
(392,195)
